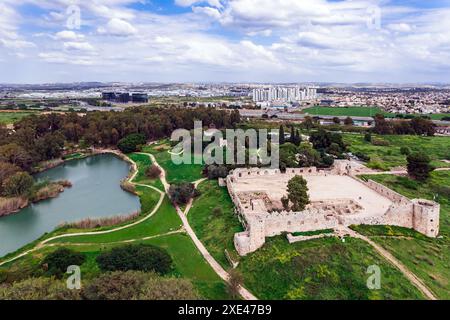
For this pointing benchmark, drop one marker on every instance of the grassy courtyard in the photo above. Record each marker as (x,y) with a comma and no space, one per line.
(427,258)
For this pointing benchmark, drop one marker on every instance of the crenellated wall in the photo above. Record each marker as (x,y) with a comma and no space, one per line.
(421,215)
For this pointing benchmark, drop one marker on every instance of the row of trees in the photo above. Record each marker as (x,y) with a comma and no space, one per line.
(415,126)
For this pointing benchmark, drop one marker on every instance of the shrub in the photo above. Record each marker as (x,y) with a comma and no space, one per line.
(57,262)
(217,212)
(153,172)
(363,157)
(380,142)
(405,151)
(136,285)
(38,289)
(19,184)
(368,137)
(139,257)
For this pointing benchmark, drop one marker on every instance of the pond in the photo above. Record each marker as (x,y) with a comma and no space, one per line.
(95,193)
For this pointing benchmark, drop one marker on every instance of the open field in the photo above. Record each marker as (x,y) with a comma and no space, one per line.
(11,117)
(321,269)
(387,157)
(360,112)
(427,258)
(215,231)
(350,111)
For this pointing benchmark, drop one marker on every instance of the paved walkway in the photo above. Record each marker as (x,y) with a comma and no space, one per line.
(415,280)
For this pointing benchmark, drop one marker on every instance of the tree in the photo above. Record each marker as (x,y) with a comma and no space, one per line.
(181,193)
(282,138)
(381,125)
(336,120)
(131,143)
(368,137)
(422,126)
(297,138)
(419,166)
(138,257)
(17,155)
(58,261)
(234,283)
(297,191)
(6,171)
(348,121)
(153,172)
(19,184)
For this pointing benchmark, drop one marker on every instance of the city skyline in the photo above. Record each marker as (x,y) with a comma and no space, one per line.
(286,41)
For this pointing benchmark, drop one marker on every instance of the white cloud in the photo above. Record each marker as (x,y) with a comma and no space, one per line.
(81,46)
(399,27)
(117,27)
(68,35)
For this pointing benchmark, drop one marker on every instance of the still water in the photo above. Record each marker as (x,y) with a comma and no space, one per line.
(95,193)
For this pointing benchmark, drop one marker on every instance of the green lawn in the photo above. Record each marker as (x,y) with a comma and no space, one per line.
(427,258)
(215,232)
(350,111)
(13,117)
(175,173)
(325,269)
(386,157)
(144,162)
(360,112)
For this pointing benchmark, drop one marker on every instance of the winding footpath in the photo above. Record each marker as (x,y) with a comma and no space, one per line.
(247,295)
(415,280)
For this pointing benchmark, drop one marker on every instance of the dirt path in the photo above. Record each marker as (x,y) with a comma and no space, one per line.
(415,280)
(247,295)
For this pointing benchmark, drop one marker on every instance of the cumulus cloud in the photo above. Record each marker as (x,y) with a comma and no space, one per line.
(117,27)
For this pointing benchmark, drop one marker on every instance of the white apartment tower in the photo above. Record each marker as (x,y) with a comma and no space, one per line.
(284,94)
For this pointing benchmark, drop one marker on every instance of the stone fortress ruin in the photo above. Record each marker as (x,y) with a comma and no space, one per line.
(338,198)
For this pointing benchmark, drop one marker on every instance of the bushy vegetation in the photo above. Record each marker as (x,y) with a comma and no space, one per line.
(57,262)
(137,257)
(181,193)
(297,193)
(131,143)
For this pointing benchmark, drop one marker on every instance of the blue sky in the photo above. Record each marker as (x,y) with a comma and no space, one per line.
(224,40)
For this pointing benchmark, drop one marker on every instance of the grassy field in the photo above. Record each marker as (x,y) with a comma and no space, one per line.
(144,162)
(175,173)
(321,269)
(359,112)
(387,157)
(215,232)
(12,117)
(427,258)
